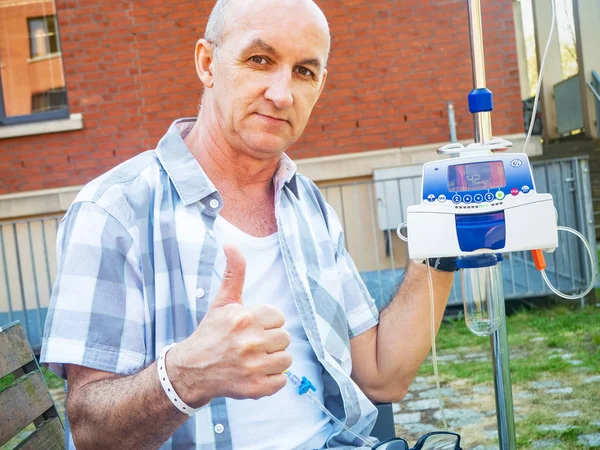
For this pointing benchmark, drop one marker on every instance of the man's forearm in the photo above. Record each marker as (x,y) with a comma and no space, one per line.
(404,331)
(123,412)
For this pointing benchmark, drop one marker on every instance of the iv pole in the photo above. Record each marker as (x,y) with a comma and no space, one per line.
(480,104)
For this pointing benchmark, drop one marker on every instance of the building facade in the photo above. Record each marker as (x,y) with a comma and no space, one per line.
(129,72)
(86,85)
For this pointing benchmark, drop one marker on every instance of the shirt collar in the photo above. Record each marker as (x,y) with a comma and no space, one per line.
(190,181)
(186,174)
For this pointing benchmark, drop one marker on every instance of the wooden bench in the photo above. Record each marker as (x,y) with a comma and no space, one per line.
(27,399)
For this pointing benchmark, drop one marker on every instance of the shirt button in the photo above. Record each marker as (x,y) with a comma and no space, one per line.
(211,233)
(199,292)
(214,203)
(219,428)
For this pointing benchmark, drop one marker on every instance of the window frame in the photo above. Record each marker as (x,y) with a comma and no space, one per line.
(61,91)
(44,20)
(63,113)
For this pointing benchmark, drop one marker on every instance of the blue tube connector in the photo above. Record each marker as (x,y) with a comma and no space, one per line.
(481,100)
(305,386)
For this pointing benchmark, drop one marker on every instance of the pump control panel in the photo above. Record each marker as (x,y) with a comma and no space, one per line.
(473,185)
(478,204)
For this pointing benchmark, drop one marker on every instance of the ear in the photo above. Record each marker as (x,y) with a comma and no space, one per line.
(204,57)
(323,82)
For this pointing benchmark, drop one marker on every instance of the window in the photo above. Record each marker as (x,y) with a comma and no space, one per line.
(32,81)
(48,101)
(43,37)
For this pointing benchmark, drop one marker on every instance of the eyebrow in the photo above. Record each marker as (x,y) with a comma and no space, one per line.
(262,45)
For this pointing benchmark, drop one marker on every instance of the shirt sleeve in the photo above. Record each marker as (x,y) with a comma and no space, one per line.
(361,311)
(96,313)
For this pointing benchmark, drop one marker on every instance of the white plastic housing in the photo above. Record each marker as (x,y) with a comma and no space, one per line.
(530,224)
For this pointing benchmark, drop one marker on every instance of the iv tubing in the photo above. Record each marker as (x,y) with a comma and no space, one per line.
(311,395)
(433,349)
(592,266)
(432,327)
(296,382)
(540,76)
(400,235)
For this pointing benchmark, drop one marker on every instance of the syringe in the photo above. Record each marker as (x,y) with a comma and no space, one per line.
(305,387)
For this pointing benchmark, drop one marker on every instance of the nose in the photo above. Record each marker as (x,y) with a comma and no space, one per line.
(279,91)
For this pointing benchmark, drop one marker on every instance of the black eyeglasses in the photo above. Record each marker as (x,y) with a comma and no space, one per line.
(438,440)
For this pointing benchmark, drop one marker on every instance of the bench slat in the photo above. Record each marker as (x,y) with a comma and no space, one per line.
(21,404)
(14,349)
(49,436)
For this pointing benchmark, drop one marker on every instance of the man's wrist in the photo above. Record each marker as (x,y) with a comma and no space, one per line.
(178,375)
(446,264)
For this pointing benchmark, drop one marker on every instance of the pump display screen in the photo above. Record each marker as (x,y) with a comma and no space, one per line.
(476,176)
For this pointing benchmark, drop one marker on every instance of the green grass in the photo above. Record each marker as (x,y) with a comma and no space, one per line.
(52,381)
(6,381)
(538,338)
(573,330)
(598,289)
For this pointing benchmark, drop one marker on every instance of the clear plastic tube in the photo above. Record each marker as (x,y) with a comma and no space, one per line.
(593,267)
(295,380)
(540,76)
(482,293)
(400,235)
(433,347)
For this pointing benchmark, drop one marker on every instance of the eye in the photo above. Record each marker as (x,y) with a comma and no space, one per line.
(258,60)
(305,72)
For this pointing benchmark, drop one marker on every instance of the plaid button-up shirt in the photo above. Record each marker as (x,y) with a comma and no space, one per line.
(136,252)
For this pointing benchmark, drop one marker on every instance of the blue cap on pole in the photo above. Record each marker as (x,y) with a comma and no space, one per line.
(481,100)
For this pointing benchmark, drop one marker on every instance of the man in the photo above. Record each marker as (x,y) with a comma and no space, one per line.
(214,243)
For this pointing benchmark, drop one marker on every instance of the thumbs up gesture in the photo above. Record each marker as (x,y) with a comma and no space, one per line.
(236,351)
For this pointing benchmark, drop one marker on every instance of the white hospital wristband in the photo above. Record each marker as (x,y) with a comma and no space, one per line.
(168,387)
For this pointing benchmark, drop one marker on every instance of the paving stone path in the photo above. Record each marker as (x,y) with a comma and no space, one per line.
(470,410)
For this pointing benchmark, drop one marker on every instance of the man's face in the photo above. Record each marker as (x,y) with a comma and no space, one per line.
(268,74)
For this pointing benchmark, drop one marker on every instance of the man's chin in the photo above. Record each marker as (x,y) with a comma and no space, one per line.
(267,146)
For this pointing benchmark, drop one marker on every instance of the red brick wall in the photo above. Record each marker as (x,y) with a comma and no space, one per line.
(130,71)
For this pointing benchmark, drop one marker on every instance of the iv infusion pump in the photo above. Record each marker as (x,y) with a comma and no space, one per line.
(480,204)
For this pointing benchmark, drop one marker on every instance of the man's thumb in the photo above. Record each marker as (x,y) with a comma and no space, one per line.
(233,277)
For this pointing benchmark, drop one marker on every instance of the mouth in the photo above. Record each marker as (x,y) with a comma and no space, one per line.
(272,119)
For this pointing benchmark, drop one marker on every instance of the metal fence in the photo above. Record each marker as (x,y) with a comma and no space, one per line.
(27,271)
(369,211)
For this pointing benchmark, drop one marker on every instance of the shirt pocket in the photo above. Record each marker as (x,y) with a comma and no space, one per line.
(326,291)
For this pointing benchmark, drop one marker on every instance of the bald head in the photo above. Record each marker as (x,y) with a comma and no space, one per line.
(263,67)
(227,14)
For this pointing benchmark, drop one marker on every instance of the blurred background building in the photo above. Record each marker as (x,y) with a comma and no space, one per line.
(86,85)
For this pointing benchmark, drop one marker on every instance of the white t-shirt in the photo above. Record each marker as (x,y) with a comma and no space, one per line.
(285,419)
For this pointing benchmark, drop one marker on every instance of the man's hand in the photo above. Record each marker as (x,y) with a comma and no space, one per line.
(236,351)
